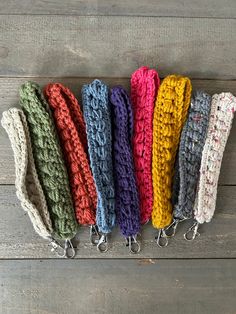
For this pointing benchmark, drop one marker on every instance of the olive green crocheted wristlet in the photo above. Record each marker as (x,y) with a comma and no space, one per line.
(48,160)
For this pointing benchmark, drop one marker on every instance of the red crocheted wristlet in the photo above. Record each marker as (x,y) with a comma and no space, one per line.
(144,87)
(72,134)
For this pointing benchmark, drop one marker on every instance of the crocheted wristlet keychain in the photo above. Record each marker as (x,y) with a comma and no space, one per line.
(49,163)
(144,87)
(188,161)
(127,202)
(169,116)
(223,107)
(28,188)
(70,125)
(97,116)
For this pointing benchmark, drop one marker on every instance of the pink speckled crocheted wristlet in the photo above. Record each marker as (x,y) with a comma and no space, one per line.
(223,107)
(144,86)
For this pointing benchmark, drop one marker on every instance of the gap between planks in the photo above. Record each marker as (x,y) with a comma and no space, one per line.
(182,8)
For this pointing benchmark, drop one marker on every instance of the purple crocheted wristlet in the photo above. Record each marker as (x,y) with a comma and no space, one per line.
(127,202)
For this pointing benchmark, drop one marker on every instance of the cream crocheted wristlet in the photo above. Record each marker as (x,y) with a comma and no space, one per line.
(28,188)
(223,107)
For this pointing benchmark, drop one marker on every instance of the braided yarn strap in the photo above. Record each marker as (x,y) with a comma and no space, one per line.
(48,160)
(169,116)
(127,203)
(97,116)
(28,188)
(188,162)
(144,87)
(223,107)
(70,125)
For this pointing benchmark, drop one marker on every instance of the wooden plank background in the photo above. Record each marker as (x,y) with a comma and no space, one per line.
(73,42)
(75,46)
(196,286)
(217,240)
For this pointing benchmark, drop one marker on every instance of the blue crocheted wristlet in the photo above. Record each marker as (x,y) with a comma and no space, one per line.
(97,115)
(188,162)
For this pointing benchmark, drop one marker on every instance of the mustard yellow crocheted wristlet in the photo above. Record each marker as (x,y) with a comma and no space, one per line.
(170,113)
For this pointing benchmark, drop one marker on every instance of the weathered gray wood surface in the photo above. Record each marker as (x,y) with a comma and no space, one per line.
(114,46)
(117,287)
(74,41)
(9,98)
(218,238)
(200,8)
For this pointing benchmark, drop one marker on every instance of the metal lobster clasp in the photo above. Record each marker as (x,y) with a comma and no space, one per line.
(133,244)
(102,245)
(162,238)
(94,235)
(192,232)
(67,251)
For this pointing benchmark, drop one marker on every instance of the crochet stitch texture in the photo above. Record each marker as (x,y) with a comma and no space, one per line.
(97,116)
(48,160)
(127,203)
(144,87)
(28,188)
(188,162)
(70,125)
(223,107)
(169,116)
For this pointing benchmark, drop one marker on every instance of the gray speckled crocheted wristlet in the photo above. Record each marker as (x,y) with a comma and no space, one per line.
(188,161)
